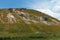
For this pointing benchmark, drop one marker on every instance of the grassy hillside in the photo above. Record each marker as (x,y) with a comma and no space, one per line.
(28,24)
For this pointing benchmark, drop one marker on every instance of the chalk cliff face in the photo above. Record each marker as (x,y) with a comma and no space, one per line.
(21,20)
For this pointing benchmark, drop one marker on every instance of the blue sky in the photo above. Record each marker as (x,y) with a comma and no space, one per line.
(13,4)
(50,7)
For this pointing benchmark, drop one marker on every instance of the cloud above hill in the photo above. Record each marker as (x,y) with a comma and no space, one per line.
(50,7)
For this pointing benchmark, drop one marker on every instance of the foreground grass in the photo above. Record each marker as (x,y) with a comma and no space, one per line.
(32,36)
(29,32)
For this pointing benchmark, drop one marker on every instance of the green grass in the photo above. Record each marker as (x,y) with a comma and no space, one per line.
(35,31)
(33,36)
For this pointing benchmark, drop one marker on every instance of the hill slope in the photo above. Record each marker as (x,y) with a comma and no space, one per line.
(26,22)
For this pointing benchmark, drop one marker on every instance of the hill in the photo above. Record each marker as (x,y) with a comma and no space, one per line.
(27,23)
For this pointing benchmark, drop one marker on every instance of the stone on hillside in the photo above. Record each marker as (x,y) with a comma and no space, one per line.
(11,10)
(11,18)
(45,18)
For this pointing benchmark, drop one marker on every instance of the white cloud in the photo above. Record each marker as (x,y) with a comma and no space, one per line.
(50,7)
(52,1)
(49,12)
(56,8)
